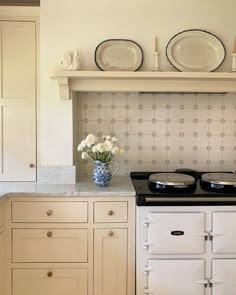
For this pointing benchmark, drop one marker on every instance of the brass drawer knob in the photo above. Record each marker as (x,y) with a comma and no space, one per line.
(49,234)
(49,274)
(110,212)
(110,233)
(31,165)
(49,212)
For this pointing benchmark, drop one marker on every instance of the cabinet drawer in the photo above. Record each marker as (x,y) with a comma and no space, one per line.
(110,211)
(50,281)
(49,245)
(49,211)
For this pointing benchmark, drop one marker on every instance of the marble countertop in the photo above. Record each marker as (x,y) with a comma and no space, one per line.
(119,186)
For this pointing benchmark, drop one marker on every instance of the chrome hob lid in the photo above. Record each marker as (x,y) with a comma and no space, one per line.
(223,179)
(172,179)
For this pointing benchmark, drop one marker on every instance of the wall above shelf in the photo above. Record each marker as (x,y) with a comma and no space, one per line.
(98,81)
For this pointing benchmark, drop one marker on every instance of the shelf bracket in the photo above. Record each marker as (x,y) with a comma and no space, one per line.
(64,88)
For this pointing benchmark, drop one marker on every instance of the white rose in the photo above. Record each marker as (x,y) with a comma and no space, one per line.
(84,156)
(94,149)
(122,151)
(114,139)
(80,148)
(108,137)
(100,147)
(108,145)
(91,139)
(115,150)
(83,143)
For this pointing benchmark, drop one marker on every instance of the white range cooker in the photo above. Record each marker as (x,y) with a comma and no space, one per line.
(186,233)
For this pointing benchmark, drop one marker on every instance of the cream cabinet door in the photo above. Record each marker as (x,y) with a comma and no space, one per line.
(49,282)
(49,245)
(110,261)
(1,263)
(17,101)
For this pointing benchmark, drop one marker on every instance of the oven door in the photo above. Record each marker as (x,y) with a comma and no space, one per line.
(175,277)
(175,233)
(223,232)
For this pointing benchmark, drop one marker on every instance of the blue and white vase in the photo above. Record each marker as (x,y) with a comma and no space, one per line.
(102,173)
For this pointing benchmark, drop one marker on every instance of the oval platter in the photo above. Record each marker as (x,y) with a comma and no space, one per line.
(118,55)
(195,51)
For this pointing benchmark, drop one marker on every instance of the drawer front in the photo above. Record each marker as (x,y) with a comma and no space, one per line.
(49,211)
(175,233)
(1,215)
(110,211)
(49,245)
(50,281)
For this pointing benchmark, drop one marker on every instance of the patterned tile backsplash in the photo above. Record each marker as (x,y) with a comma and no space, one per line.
(162,131)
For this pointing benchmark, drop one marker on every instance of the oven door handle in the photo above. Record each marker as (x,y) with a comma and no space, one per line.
(203,282)
(146,222)
(205,234)
(147,244)
(147,269)
(148,291)
(212,234)
(212,282)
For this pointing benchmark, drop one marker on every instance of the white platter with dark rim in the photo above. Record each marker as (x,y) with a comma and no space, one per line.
(118,55)
(195,51)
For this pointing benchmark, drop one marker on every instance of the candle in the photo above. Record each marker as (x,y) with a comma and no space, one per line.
(234,49)
(156,44)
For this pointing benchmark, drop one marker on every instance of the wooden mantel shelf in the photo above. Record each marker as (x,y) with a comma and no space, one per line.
(143,82)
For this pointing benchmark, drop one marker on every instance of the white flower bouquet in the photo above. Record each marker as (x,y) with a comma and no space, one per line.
(103,149)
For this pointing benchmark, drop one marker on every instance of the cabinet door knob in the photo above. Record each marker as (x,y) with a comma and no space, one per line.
(31,165)
(49,274)
(110,233)
(110,212)
(49,234)
(49,212)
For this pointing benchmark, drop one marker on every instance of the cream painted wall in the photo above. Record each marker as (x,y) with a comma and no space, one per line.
(66,25)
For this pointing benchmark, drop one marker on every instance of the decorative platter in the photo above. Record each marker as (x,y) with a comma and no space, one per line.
(118,55)
(195,51)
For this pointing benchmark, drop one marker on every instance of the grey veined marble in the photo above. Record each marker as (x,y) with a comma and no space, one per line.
(119,186)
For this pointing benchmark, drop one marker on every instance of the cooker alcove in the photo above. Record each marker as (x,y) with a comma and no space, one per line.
(216,82)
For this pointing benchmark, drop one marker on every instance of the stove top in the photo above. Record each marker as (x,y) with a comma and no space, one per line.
(147,197)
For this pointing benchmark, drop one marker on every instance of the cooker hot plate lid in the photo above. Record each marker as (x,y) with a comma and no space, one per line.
(171,179)
(224,179)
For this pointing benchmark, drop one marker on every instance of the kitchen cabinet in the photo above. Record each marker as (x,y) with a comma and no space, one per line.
(186,249)
(70,245)
(110,258)
(49,245)
(18,91)
(2,264)
(49,282)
